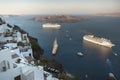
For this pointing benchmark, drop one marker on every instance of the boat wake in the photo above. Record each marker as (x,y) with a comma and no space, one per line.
(108,62)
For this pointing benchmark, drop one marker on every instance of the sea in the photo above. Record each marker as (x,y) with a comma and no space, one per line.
(97,61)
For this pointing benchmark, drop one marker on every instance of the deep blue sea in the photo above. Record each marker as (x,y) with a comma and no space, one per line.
(97,61)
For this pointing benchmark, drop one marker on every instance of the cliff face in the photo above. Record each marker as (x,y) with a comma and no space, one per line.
(37,50)
(1,21)
(59,18)
(110,14)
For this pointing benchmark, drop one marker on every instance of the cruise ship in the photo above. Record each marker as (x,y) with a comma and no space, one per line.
(50,25)
(98,40)
(55,47)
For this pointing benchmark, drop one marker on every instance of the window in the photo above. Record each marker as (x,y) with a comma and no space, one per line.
(30,54)
(3,66)
(25,38)
(8,65)
(18,77)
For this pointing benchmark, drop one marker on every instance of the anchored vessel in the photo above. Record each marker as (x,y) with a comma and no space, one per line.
(99,41)
(111,76)
(80,54)
(55,46)
(50,25)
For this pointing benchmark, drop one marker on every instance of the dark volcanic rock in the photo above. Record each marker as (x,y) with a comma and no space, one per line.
(59,18)
(109,14)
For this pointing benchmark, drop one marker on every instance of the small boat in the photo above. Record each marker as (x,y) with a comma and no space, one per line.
(86,76)
(70,38)
(80,54)
(115,54)
(108,61)
(111,77)
(55,46)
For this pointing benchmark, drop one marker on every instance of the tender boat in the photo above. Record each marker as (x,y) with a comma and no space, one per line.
(111,77)
(80,54)
(55,46)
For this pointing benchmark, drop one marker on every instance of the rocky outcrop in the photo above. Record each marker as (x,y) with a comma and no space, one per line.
(109,14)
(59,18)
(1,21)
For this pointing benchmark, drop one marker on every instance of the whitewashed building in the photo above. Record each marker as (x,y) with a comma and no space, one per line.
(14,67)
(13,58)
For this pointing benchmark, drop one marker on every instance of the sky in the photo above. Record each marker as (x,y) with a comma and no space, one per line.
(59,6)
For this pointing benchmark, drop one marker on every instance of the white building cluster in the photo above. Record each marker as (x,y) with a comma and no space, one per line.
(16,58)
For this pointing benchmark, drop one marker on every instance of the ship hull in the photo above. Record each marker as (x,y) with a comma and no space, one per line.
(51,26)
(55,47)
(99,43)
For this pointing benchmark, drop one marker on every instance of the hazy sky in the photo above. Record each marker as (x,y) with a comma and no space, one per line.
(58,6)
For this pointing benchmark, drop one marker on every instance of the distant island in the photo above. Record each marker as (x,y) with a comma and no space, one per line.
(59,18)
(109,14)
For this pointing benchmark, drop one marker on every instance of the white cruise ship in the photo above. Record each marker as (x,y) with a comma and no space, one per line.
(99,41)
(55,47)
(50,25)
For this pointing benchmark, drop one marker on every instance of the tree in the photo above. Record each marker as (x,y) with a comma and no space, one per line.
(37,50)
(20,44)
